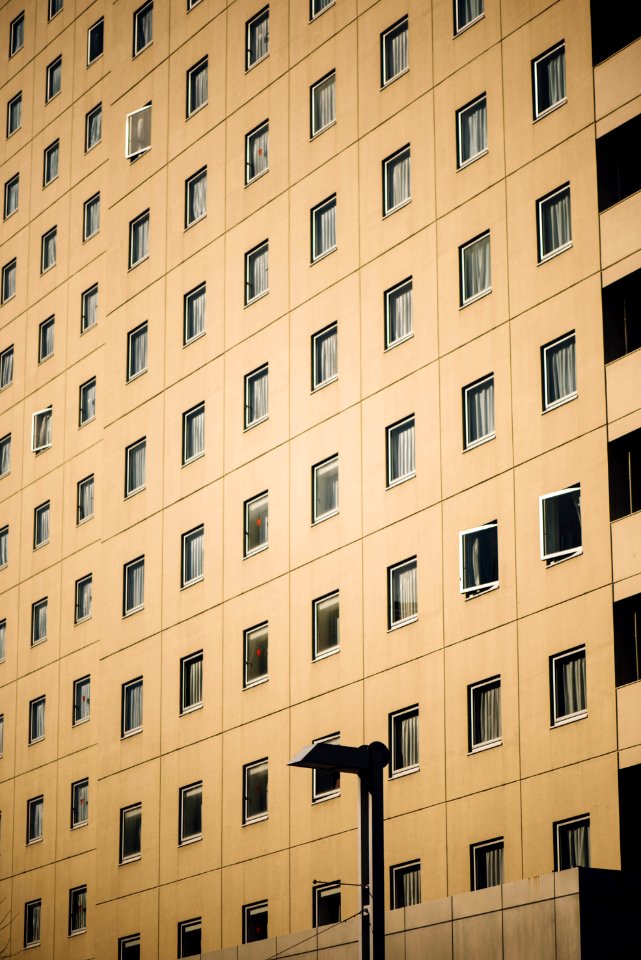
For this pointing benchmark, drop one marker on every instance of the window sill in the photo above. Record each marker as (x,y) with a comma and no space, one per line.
(555,561)
(405,772)
(402,623)
(560,403)
(47,183)
(201,106)
(90,63)
(196,336)
(91,146)
(252,553)
(259,296)
(399,206)
(8,216)
(479,591)
(256,177)
(487,745)
(479,442)
(79,723)
(131,733)
(189,840)
(38,546)
(323,255)
(83,423)
(396,76)
(324,654)
(132,493)
(132,266)
(259,819)
(42,360)
(142,49)
(549,110)
(191,583)
(397,343)
(475,298)
(321,12)
(32,843)
(130,613)
(192,709)
(77,933)
(325,516)
(316,134)
(326,796)
(457,33)
(79,523)
(255,423)
(47,269)
(250,66)
(325,383)
(563,721)
(256,683)
(37,740)
(82,620)
(135,376)
(90,236)
(28,946)
(13,132)
(470,160)
(53,97)
(36,643)
(192,223)
(77,826)
(197,456)
(133,859)
(555,253)
(394,483)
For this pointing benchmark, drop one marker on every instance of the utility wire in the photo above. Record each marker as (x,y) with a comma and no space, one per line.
(316,934)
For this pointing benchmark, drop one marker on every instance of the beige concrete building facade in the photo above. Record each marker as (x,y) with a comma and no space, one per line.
(320,417)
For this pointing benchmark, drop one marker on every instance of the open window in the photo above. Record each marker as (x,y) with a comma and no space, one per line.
(560,524)
(138,132)
(479,559)
(41,429)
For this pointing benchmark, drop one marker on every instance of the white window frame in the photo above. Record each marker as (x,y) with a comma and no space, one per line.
(460,29)
(389,343)
(184,541)
(539,114)
(187,926)
(47,236)
(250,910)
(316,131)
(249,379)
(314,212)
(554,558)
(258,817)
(131,333)
(402,868)
(5,353)
(256,131)
(126,732)
(396,156)
(558,826)
(247,635)
(4,535)
(36,514)
(124,943)
(193,411)
(184,840)
(12,265)
(474,591)
(32,704)
(188,297)
(88,117)
(93,26)
(540,203)
(49,96)
(482,293)
(460,162)
(76,786)
(84,326)
(397,715)
(75,892)
(319,333)
(248,260)
(85,386)
(43,327)
(46,180)
(389,432)
(32,801)
(131,448)
(471,444)
(131,154)
(138,13)
(40,413)
(330,651)
(79,485)
(54,8)
(248,27)
(319,796)
(13,29)
(185,662)
(81,582)
(189,184)
(318,891)
(132,224)
(86,207)
(319,517)
(10,104)
(313,15)
(385,80)
(5,440)
(130,857)
(479,746)
(391,623)
(77,721)
(247,504)
(496,843)
(191,109)
(578,714)
(36,606)
(127,610)
(5,208)
(29,910)
(544,356)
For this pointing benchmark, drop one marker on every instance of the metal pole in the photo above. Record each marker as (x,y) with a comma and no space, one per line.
(364,840)
(378,760)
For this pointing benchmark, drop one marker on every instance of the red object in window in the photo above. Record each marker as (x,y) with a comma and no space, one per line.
(258,521)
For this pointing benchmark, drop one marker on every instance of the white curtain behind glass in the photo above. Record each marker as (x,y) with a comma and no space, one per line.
(88,401)
(326,488)
(396,52)
(138,351)
(404,597)
(90,304)
(49,254)
(35,819)
(82,699)
(92,224)
(140,240)
(402,451)
(80,912)
(144,28)
(468,10)
(4,546)
(9,282)
(55,77)
(37,719)
(562,522)
(258,272)
(480,558)
(195,433)
(197,198)
(35,923)
(6,368)
(199,86)
(194,544)
(196,682)
(550,78)
(560,370)
(412,886)
(85,498)
(195,314)
(42,524)
(5,456)
(135,585)
(84,598)
(397,172)
(326,356)
(399,305)
(46,339)
(487,713)
(18,34)
(136,464)
(133,707)
(557,227)
(409,740)
(258,152)
(258,396)
(473,129)
(324,103)
(94,131)
(40,620)
(81,796)
(12,196)
(480,411)
(259,38)
(476,268)
(570,685)
(577,839)
(325,229)
(493,857)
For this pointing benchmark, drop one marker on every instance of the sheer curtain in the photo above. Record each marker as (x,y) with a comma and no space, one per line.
(560,368)
(493,857)
(398,180)
(138,351)
(84,598)
(402,451)
(199,86)
(325,228)
(40,620)
(196,682)
(82,699)
(258,272)
(480,558)
(480,411)
(578,845)
(5,455)
(144,24)
(136,466)
(12,196)
(259,38)
(397,50)
(4,546)
(90,308)
(468,10)
(409,740)
(35,922)
(81,797)
(326,477)
(9,281)
(140,239)
(399,305)
(570,685)
(411,880)
(258,152)
(38,719)
(52,162)
(80,919)
(135,584)
(194,433)
(324,104)
(557,227)
(194,543)
(92,223)
(551,79)
(258,399)
(405,603)
(326,356)
(94,129)
(476,268)
(46,339)
(85,500)
(42,524)
(49,250)
(133,707)
(487,713)
(88,401)
(18,35)
(195,314)
(55,78)
(35,817)
(197,197)
(6,368)
(473,130)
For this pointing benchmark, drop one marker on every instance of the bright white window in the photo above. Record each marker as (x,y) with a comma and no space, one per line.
(79,803)
(255,919)
(9,272)
(130,841)
(93,127)
(548,80)
(255,777)
(256,272)
(4,546)
(257,34)
(318,6)
(39,616)
(131,707)
(486,864)
(193,550)
(325,493)
(45,339)
(137,351)
(403,733)
(396,180)
(560,524)
(326,783)
(32,913)
(568,686)
(41,429)
(405,884)
(256,513)
(194,309)
(91,219)
(143,27)
(191,682)
(85,499)
(196,197)
(326,903)
(87,407)
(139,239)
(323,103)
(554,223)
(51,162)
(16,34)
(134,586)
(81,700)
(11,195)
(325,356)
(478,411)
(402,593)
(48,250)
(191,818)
(256,396)
(467,12)
(401,455)
(6,368)
(471,131)
(189,931)
(572,843)
(41,525)
(484,717)
(559,371)
(95,41)
(84,588)
(475,269)
(54,79)
(394,51)
(256,642)
(77,910)
(326,626)
(398,313)
(5,455)
(479,559)
(257,152)
(193,433)
(138,132)
(197,84)
(36,719)
(135,467)
(14,114)
(323,228)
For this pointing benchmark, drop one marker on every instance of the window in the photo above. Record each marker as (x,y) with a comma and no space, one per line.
(325,489)
(326,632)
(558,360)
(89,308)
(193,549)
(194,433)
(35,809)
(475,269)
(325,356)
(91,219)
(256,396)
(548,80)
(326,783)
(197,78)
(81,700)
(32,911)
(256,524)
(54,79)
(572,843)
(394,51)
(255,791)
(39,611)
(405,884)
(196,197)
(568,693)
(479,559)
(323,103)
(51,162)
(16,34)
(85,499)
(484,716)
(41,430)
(14,114)
(560,524)
(87,395)
(257,152)
(402,595)
(401,457)
(79,803)
(4,546)
(143,22)
(83,598)
(139,239)
(9,280)
(134,586)
(191,805)
(2,727)
(131,707)
(396,181)
(403,734)
(621,310)
(41,525)
(130,830)
(398,313)
(554,223)
(45,339)
(5,455)
(36,719)
(194,313)
(191,682)
(318,6)
(467,12)
(77,910)
(624,467)
(93,127)
(55,6)
(257,38)
(326,903)
(189,938)
(255,922)
(256,641)
(486,865)
(11,195)
(471,131)
(95,41)
(191,4)
(6,368)
(138,132)
(129,947)
(137,351)
(627,639)
(323,228)
(256,272)
(618,173)
(48,250)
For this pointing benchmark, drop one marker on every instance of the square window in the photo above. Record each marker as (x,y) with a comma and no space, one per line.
(196,197)
(130,833)
(137,351)
(81,700)
(79,803)
(318,6)
(135,467)
(41,525)
(9,280)
(89,308)
(131,707)
(478,412)
(197,83)
(91,218)
(45,339)
(396,181)
(87,406)
(554,220)
(257,38)
(35,810)
(548,80)
(41,430)
(255,921)
(134,586)
(402,593)
(11,195)
(255,791)
(572,843)
(189,938)
(479,559)
(143,27)
(193,551)
(398,313)
(4,546)
(394,51)
(36,720)
(85,499)
(195,313)
(48,250)
(405,884)
(256,521)
(191,682)
(325,489)
(95,41)
(6,368)
(323,103)
(51,158)
(403,734)
(5,455)
(467,12)
(139,239)
(326,903)
(256,272)
(93,127)
(39,611)
(191,806)
(475,269)
(326,626)
(256,396)
(129,947)
(558,360)
(256,641)
(193,433)
(401,456)
(14,114)
(257,152)
(568,692)
(77,910)
(55,6)
(83,598)
(16,34)
(323,228)
(486,864)
(138,132)
(326,783)
(471,131)
(325,356)
(560,524)
(54,79)
(484,718)
(32,911)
